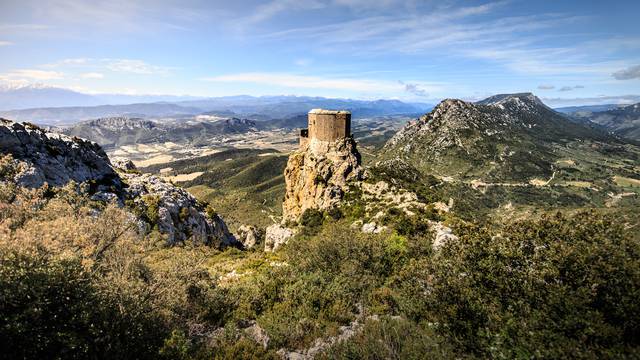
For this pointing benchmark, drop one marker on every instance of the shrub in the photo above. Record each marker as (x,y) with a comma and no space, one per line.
(391,338)
(548,288)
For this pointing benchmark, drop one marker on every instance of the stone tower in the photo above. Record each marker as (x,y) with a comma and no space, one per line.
(318,174)
(326,125)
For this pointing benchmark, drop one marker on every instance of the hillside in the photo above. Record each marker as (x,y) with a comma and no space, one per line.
(512,149)
(119,131)
(246,185)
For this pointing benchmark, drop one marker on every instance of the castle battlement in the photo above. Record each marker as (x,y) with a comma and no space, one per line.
(326,125)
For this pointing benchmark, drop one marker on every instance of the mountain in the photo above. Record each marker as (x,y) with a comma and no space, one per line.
(288,106)
(23,97)
(117,131)
(504,137)
(43,96)
(258,108)
(621,120)
(70,115)
(587,108)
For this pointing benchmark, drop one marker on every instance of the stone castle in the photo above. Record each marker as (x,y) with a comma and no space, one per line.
(326,125)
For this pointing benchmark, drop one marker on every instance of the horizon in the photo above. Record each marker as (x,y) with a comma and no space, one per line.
(574,53)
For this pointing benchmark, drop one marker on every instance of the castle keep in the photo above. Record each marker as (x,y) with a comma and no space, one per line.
(326,125)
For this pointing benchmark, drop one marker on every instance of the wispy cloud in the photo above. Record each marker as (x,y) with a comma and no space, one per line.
(414,89)
(546,87)
(629,73)
(7,28)
(131,66)
(5,43)
(570,88)
(135,67)
(34,74)
(275,7)
(294,81)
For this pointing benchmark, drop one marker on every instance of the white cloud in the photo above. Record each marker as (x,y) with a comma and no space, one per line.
(546,87)
(316,82)
(89,65)
(134,66)
(5,43)
(570,88)
(92,75)
(34,74)
(629,73)
(414,89)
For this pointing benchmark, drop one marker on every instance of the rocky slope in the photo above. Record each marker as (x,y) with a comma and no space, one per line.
(505,137)
(55,159)
(318,174)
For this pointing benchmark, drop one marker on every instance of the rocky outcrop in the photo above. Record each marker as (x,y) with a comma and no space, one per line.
(318,174)
(56,160)
(248,236)
(178,215)
(276,236)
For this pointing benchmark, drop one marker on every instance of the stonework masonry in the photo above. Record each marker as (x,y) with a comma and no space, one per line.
(327,125)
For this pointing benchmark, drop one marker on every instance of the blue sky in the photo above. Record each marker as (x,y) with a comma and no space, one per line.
(567,52)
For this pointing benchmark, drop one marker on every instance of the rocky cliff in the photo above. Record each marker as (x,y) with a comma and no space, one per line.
(43,158)
(317,175)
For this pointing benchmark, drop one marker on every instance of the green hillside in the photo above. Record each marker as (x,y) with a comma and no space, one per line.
(246,185)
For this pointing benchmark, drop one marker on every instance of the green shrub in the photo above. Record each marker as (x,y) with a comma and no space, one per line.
(152,203)
(391,338)
(549,288)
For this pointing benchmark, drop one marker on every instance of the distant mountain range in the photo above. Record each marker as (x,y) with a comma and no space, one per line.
(42,96)
(117,131)
(54,106)
(621,120)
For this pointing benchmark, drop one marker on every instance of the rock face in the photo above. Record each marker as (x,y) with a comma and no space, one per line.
(56,159)
(180,217)
(317,175)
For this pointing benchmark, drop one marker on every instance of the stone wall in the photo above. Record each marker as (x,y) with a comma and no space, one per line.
(329,125)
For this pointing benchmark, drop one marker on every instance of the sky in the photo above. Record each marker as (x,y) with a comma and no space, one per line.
(566,52)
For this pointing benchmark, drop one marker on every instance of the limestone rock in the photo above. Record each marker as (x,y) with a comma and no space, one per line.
(442,235)
(257,334)
(54,158)
(276,236)
(318,174)
(123,164)
(248,236)
(179,215)
(45,157)
(372,228)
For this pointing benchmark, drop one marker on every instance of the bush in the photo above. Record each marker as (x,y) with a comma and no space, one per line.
(391,338)
(550,288)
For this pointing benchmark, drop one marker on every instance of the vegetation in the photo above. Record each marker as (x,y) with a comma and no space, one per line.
(88,285)
(245,185)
